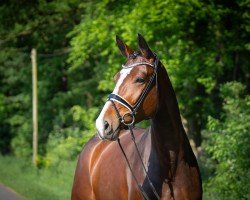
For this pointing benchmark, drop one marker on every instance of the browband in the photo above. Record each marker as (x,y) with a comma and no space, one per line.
(136,64)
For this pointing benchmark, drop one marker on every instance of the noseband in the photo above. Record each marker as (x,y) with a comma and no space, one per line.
(134,108)
(132,112)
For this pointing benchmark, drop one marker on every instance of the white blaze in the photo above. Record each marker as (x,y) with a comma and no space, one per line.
(100,120)
(123,75)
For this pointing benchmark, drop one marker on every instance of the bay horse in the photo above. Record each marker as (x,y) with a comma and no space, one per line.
(126,162)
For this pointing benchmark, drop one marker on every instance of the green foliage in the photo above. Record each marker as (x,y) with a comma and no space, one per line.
(16,104)
(203,44)
(229,145)
(65,144)
(24,25)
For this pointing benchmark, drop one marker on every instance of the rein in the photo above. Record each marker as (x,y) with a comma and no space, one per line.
(133,111)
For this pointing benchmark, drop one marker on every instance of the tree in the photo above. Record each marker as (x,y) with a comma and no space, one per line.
(229,145)
(201,43)
(24,25)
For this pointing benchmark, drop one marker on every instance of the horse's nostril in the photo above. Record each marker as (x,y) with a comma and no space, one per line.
(106,125)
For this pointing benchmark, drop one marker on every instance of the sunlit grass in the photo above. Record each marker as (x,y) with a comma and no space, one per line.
(37,184)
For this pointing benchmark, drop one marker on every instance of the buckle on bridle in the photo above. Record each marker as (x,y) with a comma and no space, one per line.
(124,121)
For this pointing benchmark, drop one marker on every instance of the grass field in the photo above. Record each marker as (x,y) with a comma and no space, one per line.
(37,184)
(48,183)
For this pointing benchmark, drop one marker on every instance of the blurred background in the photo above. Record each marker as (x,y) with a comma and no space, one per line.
(204,45)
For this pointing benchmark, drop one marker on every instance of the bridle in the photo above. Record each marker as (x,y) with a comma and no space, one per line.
(133,109)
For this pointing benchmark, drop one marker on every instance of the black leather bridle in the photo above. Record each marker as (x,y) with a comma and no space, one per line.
(132,112)
(133,109)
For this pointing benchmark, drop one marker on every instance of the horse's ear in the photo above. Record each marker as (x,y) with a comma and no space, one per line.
(144,48)
(125,50)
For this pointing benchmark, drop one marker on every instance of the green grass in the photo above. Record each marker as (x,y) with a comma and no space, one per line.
(51,183)
(37,184)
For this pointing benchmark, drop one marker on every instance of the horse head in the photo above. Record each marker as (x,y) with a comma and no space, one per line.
(134,97)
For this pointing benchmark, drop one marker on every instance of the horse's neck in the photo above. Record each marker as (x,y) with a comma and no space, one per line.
(166,127)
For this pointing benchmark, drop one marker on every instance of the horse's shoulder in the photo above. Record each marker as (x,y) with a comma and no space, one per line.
(81,185)
(88,146)
(91,143)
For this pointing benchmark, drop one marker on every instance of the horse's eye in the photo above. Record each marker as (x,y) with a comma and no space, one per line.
(139,80)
